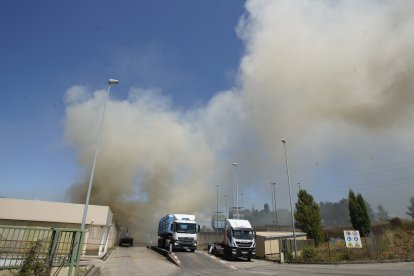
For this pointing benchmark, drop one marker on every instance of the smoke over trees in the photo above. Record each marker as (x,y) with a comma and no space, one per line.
(309,69)
(335,214)
(382,214)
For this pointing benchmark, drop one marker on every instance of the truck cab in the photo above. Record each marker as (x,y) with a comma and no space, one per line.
(239,239)
(184,235)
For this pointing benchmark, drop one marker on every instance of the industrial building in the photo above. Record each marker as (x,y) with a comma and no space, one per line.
(101,230)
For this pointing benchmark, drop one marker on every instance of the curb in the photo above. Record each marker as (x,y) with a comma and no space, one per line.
(170,256)
(352,262)
(92,270)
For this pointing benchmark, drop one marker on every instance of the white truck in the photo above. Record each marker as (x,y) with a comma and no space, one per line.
(238,240)
(178,231)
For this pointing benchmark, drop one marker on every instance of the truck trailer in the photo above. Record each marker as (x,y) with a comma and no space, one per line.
(178,231)
(238,241)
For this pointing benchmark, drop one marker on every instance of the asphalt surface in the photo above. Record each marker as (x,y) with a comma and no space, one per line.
(144,261)
(136,261)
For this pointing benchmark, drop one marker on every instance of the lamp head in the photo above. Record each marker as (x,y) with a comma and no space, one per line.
(113,81)
(234,164)
(283,141)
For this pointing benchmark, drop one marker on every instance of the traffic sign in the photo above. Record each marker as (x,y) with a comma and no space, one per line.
(353,239)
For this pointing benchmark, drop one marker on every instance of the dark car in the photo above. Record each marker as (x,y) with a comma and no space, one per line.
(126,241)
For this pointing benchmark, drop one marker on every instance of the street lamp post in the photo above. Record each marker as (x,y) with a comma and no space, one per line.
(290,199)
(226,214)
(217,212)
(300,187)
(237,190)
(85,209)
(274,198)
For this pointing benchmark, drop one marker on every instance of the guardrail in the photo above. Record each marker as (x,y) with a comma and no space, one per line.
(31,247)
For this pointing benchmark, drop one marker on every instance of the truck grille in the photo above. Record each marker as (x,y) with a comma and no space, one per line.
(186,239)
(244,244)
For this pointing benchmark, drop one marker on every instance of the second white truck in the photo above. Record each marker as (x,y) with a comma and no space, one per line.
(238,240)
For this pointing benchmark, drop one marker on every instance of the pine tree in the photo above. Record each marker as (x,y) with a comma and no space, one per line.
(365,218)
(411,208)
(358,213)
(308,217)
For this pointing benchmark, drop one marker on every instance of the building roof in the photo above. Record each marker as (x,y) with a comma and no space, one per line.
(46,211)
(279,235)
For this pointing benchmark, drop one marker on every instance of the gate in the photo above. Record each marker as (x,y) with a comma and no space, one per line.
(50,248)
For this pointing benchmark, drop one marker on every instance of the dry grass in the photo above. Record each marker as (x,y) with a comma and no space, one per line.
(386,242)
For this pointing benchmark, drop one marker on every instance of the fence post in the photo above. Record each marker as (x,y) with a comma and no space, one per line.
(329,246)
(52,248)
(77,250)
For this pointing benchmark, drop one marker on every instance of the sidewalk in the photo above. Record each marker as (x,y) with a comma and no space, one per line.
(132,261)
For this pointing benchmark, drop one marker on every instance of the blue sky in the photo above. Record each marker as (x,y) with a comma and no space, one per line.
(217,82)
(188,49)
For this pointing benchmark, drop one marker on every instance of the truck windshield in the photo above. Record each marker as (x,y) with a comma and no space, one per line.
(243,234)
(186,228)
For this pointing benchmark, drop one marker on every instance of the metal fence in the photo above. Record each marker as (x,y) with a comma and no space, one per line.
(375,245)
(49,247)
(288,246)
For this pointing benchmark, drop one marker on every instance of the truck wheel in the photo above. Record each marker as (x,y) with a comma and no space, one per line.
(192,250)
(225,254)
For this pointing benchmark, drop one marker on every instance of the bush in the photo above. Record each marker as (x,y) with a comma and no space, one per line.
(32,264)
(395,222)
(309,254)
(408,225)
(289,257)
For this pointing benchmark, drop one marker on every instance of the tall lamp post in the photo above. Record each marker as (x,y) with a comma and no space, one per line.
(237,190)
(217,211)
(85,210)
(226,198)
(274,199)
(290,199)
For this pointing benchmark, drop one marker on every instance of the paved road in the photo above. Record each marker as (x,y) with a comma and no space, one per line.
(143,261)
(202,263)
(136,261)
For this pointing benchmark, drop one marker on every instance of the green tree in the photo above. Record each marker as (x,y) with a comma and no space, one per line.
(358,213)
(308,217)
(411,208)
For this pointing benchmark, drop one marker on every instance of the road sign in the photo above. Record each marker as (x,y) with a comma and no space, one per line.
(352,239)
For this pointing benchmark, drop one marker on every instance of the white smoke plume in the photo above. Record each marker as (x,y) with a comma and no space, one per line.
(334,78)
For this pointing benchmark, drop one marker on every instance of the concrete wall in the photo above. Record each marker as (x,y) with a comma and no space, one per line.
(267,248)
(35,210)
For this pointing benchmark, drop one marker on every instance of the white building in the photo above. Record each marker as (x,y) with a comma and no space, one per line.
(101,231)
